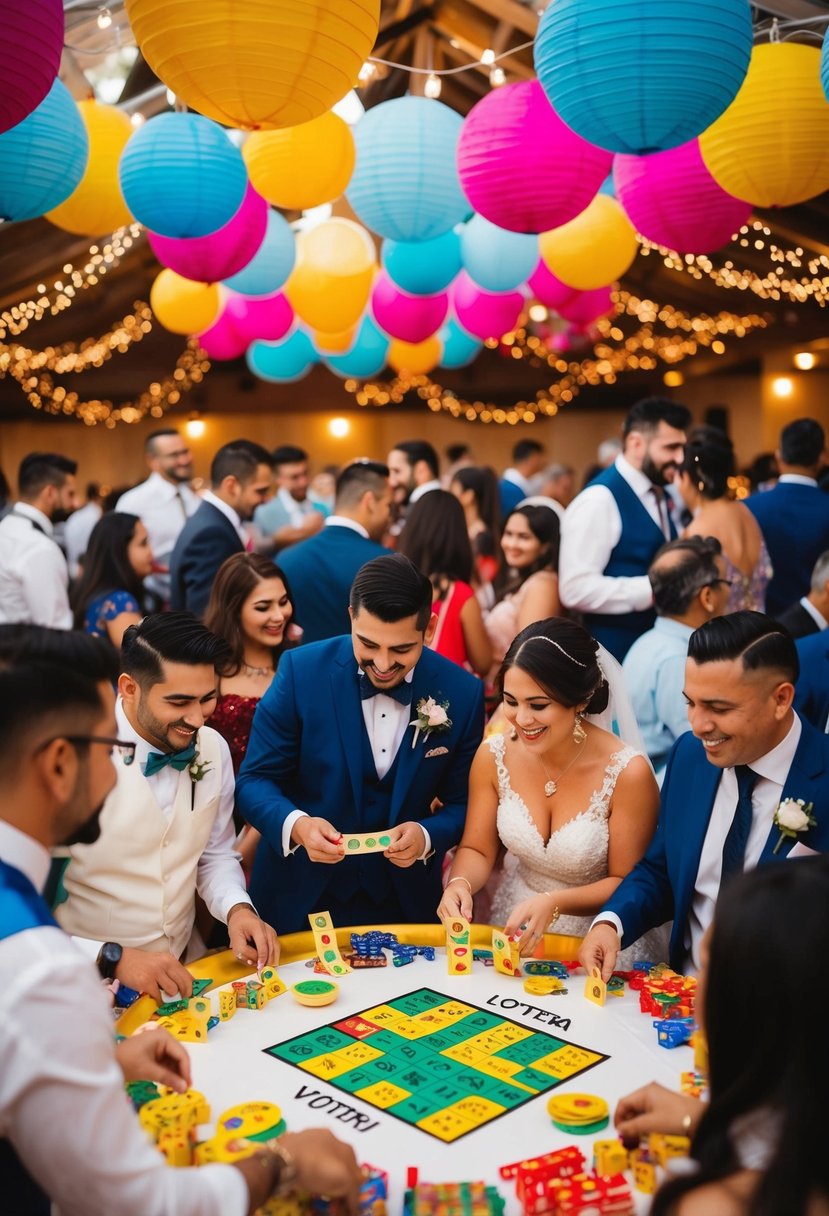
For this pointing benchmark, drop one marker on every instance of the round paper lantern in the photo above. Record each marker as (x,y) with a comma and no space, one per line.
(410,318)
(587,306)
(642,75)
(270,266)
(218,255)
(459,348)
(43,158)
(549,290)
(496,259)
(182,306)
(97,205)
(423,267)
(771,146)
(405,183)
(222,341)
(415,359)
(269,318)
(514,135)
(181,176)
(334,344)
(483,313)
(32,47)
(302,166)
(672,199)
(282,362)
(594,249)
(256,65)
(367,356)
(330,284)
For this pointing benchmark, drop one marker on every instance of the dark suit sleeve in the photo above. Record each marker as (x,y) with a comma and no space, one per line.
(446,826)
(205,552)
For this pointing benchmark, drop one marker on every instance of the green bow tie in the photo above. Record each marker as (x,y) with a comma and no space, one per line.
(177,760)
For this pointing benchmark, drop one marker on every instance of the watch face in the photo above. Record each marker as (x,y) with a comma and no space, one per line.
(108,959)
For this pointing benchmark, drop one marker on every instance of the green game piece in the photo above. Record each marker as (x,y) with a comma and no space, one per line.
(320,922)
(170,1007)
(370,842)
(329,955)
(584,1129)
(353,844)
(199,986)
(314,987)
(385,841)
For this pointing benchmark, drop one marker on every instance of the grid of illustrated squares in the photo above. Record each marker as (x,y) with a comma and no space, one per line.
(439,1064)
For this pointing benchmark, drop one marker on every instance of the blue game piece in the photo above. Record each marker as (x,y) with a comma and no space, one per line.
(402,960)
(211,1022)
(674,1032)
(125,997)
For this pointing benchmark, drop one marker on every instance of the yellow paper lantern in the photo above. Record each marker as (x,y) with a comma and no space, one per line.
(96,206)
(182,306)
(415,358)
(302,166)
(330,283)
(334,344)
(594,249)
(771,146)
(256,64)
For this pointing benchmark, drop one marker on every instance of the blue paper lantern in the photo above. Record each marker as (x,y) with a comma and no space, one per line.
(282,362)
(270,266)
(423,268)
(496,259)
(640,76)
(367,356)
(181,176)
(405,183)
(43,158)
(459,348)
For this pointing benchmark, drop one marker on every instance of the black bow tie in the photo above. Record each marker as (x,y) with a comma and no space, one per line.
(402,692)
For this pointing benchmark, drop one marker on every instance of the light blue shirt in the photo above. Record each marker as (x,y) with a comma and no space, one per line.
(654,670)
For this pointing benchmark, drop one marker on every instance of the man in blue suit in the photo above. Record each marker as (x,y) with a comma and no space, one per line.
(240,478)
(748,753)
(336,748)
(321,570)
(811,696)
(794,516)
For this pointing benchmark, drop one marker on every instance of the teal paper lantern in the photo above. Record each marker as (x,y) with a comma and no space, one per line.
(459,348)
(641,76)
(496,259)
(405,184)
(43,158)
(282,362)
(181,176)
(270,266)
(367,356)
(423,267)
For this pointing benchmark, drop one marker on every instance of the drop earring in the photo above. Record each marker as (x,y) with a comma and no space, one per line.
(513,734)
(579,733)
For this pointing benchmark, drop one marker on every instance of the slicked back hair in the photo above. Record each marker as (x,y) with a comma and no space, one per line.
(171,637)
(646,415)
(416,450)
(356,478)
(40,469)
(755,638)
(392,589)
(240,459)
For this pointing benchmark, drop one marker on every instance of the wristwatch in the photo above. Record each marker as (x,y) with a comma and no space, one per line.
(109,956)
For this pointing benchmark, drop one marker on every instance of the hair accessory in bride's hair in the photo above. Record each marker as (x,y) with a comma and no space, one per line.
(540,637)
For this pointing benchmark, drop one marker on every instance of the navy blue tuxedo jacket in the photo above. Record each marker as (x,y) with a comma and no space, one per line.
(320,572)
(661,886)
(794,520)
(205,541)
(306,753)
(811,696)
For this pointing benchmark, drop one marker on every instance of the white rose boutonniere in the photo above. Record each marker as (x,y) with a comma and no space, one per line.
(430,715)
(197,769)
(792,817)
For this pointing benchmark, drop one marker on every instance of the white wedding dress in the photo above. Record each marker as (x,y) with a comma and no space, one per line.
(575,854)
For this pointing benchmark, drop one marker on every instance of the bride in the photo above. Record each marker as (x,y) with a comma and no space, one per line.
(574,806)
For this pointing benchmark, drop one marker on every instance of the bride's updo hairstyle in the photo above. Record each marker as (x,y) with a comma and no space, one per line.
(561,657)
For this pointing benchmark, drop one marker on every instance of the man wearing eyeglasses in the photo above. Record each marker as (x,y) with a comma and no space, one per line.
(689,588)
(168,824)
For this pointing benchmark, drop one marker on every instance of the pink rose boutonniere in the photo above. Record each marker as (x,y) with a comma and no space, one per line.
(430,716)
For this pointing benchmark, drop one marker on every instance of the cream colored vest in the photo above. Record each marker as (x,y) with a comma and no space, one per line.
(136,884)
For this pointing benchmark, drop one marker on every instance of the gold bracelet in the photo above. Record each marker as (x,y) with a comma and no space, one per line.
(556,914)
(460,878)
(288,1171)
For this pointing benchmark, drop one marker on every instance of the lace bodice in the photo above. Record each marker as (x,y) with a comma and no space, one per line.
(749,591)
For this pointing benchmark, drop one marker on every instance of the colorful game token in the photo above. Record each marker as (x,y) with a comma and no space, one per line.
(458,947)
(543,985)
(581,1114)
(315,992)
(505,953)
(252,1121)
(595,989)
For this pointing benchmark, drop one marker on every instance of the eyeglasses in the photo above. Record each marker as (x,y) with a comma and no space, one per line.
(122,748)
(726,582)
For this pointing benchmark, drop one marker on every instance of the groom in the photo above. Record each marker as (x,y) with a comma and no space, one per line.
(333,750)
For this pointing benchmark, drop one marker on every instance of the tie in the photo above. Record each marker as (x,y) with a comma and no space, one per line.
(662,511)
(181,502)
(734,849)
(177,760)
(402,692)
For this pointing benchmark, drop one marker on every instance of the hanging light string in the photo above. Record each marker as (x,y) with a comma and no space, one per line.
(80,357)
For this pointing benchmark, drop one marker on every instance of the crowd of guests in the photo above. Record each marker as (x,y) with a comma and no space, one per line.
(291,665)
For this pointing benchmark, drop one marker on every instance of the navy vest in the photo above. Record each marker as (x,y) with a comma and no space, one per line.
(641,538)
(21,908)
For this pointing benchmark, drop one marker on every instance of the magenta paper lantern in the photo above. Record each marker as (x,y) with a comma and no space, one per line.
(549,290)
(485,314)
(672,199)
(220,254)
(587,306)
(522,167)
(32,47)
(244,320)
(409,318)
(222,341)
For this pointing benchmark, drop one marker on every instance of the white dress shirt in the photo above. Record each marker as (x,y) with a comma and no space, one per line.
(58,1071)
(33,574)
(796,479)
(163,507)
(386,722)
(591,530)
(817,616)
(228,513)
(426,488)
(340,521)
(76,533)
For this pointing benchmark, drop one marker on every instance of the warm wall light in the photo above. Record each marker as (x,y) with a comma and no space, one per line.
(782,386)
(673,379)
(339,427)
(538,312)
(195,427)
(805,360)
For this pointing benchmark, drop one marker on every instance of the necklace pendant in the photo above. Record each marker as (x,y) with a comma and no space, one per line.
(550,788)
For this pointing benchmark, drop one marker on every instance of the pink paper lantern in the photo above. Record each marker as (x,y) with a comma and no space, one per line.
(406,317)
(32,47)
(549,290)
(522,167)
(587,306)
(483,313)
(221,341)
(243,320)
(672,199)
(220,254)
